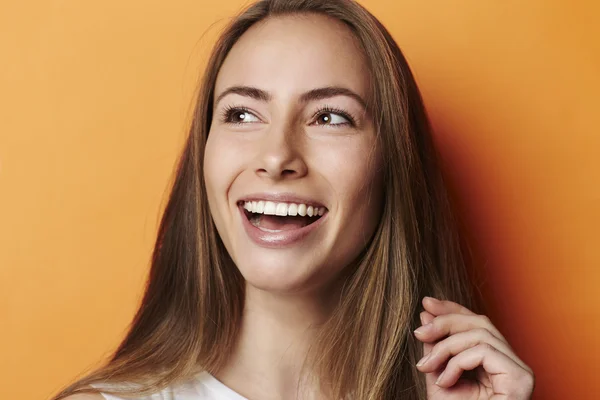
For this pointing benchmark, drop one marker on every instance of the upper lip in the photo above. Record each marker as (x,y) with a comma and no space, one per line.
(282,198)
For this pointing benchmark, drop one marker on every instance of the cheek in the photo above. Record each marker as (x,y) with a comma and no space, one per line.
(226,156)
(358,183)
(355,174)
(211,166)
(218,171)
(221,163)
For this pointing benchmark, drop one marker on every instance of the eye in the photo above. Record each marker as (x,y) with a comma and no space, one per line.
(333,117)
(239,115)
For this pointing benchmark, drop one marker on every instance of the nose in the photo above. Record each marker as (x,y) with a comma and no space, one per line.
(280,156)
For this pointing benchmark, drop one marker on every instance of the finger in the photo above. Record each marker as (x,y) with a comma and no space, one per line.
(426,318)
(507,377)
(450,324)
(442,307)
(455,344)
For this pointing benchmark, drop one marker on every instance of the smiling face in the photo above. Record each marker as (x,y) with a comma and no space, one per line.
(292,167)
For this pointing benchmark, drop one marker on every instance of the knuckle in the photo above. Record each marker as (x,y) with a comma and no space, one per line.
(486,347)
(484,320)
(482,333)
(529,378)
(525,384)
(531,372)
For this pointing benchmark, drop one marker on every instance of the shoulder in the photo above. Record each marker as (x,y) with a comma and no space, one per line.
(185,390)
(85,396)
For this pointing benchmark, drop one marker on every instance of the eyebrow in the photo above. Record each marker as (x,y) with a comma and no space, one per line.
(311,95)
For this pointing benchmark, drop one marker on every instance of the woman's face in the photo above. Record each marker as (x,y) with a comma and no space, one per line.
(292,168)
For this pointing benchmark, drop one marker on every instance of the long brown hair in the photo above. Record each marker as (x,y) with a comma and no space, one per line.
(192,307)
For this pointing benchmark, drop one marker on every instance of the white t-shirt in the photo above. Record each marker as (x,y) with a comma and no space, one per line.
(204,386)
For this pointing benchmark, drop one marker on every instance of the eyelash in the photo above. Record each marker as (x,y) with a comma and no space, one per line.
(228,112)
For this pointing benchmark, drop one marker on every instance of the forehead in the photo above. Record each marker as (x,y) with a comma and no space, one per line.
(293,54)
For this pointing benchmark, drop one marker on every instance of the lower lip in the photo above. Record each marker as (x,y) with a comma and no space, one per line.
(278,239)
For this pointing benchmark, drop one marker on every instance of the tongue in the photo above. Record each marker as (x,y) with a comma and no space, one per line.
(282,223)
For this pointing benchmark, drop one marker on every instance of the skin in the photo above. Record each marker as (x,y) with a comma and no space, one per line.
(283,148)
(280,148)
(287,145)
(455,340)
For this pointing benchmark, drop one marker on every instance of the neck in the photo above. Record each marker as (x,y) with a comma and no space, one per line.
(275,337)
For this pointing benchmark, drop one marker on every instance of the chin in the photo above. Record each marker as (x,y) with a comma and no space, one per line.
(284,272)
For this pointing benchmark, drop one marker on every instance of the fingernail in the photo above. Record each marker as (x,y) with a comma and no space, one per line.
(422,329)
(439,379)
(432,299)
(423,360)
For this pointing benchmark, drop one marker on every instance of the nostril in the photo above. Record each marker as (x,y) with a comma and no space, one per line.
(286,173)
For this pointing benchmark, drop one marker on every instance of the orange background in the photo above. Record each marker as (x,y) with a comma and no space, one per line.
(94,104)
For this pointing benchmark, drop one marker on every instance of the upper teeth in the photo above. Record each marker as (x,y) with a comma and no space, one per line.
(282,209)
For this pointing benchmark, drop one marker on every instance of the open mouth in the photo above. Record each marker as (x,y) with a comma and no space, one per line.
(278,217)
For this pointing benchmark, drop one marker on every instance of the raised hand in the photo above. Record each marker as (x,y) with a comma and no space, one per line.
(456,340)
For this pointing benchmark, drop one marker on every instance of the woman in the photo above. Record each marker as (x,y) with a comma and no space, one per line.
(307,221)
